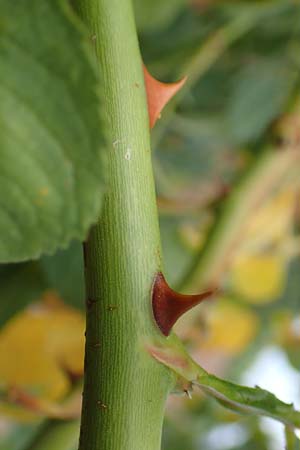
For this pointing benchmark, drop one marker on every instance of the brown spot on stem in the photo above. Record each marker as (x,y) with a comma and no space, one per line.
(112,307)
(101,404)
(90,303)
(96,345)
(169,305)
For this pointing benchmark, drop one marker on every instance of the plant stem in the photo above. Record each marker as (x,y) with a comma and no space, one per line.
(271,169)
(124,389)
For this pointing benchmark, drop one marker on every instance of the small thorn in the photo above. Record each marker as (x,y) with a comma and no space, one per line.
(158,94)
(169,305)
(188,394)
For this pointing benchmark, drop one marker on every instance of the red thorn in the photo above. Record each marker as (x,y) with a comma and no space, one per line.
(158,94)
(169,305)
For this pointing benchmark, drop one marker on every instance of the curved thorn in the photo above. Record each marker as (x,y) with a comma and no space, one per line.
(158,94)
(169,305)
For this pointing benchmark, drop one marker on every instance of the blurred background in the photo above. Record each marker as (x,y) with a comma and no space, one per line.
(226,155)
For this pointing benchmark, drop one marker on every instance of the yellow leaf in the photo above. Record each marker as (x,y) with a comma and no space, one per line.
(259,278)
(271,222)
(286,329)
(229,327)
(39,346)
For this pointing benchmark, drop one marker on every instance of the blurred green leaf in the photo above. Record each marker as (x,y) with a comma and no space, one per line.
(177,255)
(58,436)
(291,294)
(262,89)
(151,14)
(24,283)
(64,272)
(20,284)
(18,436)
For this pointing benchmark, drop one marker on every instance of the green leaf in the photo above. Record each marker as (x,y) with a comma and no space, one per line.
(262,90)
(51,140)
(64,272)
(240,399)
(61,436)
(177,255)
(161,12)
(20,284)
(19,436)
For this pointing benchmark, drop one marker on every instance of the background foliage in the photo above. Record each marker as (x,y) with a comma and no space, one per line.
(226,159)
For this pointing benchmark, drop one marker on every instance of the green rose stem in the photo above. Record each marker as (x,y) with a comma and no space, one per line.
(124,388)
